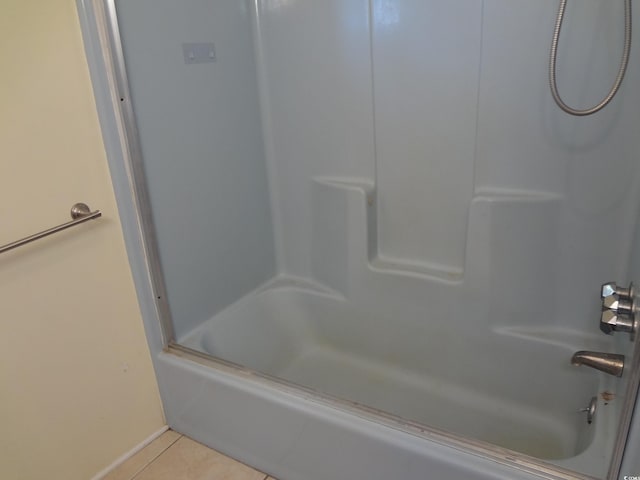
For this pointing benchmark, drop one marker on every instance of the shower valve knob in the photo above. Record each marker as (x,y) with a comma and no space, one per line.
(619,310)
(617,298)
(613,321)
(610,288)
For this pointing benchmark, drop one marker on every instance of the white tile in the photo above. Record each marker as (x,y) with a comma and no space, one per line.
(189,460)
(144,457)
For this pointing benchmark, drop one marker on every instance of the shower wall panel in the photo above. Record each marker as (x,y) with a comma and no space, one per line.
(203,150)
(432,106)
(528,147)
(438,106)
(525,141)
(426,56)
(318,73)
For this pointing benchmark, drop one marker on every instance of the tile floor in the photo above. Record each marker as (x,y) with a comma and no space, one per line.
(175,457)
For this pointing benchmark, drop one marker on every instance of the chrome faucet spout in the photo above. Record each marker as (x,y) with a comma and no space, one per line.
(611,363)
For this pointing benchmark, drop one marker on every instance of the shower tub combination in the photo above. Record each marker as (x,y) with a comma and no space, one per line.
(330,291)
(418,349)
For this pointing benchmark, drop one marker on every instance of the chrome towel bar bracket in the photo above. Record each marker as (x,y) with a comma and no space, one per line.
(80,213)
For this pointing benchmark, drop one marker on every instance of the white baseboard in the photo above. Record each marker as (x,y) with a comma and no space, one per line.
(123,458)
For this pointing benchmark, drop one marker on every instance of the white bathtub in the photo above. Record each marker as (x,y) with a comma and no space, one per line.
(494,388)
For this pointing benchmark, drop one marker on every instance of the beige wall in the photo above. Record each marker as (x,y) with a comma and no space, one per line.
(77,387)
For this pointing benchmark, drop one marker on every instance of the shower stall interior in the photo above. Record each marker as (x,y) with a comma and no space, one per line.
(376,207)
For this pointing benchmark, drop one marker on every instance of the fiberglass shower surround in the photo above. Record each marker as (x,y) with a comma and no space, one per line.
(381,203)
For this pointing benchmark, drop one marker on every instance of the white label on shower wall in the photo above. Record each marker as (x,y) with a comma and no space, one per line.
(198,53)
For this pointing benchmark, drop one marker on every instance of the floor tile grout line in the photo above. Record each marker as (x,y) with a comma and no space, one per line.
(158,455)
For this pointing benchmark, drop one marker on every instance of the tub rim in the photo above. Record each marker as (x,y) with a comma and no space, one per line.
(464,444)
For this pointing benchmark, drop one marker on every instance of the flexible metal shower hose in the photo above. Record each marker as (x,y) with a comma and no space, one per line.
(621,72)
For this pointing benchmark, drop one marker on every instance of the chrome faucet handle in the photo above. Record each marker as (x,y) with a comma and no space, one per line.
(617,298)
(610,288)
(615,321)
(619,309)
(590,410)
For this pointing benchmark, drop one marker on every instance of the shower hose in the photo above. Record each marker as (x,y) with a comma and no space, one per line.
(621,72)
